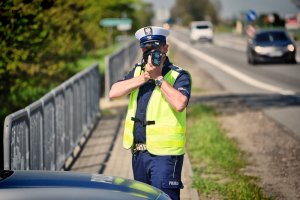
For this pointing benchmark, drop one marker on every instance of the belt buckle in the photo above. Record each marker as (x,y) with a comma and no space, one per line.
(140,147)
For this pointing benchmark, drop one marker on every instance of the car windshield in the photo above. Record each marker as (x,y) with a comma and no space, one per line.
(202,27)
(271,37)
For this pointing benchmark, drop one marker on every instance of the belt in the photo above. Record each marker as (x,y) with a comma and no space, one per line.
(138,147)
(144,123)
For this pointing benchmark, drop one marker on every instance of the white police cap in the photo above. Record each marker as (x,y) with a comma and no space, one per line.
(151,35)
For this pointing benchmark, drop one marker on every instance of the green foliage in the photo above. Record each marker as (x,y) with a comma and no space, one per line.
(97,56)
(214,147)
(190,10)
(263,21)
(143,15)
(216,159)
(296,35)
(41,42)
(224,28)
(39,37)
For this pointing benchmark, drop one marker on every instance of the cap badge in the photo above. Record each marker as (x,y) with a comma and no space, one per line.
(148,30)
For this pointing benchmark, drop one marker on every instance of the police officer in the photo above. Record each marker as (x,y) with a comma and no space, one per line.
(155,124)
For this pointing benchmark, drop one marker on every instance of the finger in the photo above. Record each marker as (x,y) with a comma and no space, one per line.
(147,67)
(150,60)
(147,74)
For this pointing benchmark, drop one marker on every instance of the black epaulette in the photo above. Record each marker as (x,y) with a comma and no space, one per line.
(177,69)
(137,64)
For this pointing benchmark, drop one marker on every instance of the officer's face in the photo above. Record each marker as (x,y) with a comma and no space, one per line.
(163,48)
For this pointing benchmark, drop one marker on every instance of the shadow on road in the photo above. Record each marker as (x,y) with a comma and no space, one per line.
(232,103)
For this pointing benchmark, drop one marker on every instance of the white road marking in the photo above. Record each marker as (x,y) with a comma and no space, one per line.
(229,70)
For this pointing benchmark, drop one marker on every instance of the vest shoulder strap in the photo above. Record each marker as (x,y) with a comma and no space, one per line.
(180,70)
(138,69)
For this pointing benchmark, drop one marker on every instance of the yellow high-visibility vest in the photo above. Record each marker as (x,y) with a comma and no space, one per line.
(167,135)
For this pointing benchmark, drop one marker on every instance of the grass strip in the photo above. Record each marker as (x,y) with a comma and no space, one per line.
(216,160)
(95,56)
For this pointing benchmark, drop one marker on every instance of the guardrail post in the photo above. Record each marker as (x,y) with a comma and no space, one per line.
(49,131)
(36,144)
(16,141)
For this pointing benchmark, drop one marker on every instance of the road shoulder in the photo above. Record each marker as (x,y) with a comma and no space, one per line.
(272,153)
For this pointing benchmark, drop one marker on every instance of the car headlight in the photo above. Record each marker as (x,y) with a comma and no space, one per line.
(290,47)
(259,49)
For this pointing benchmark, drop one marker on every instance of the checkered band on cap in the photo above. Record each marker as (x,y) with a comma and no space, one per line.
(151,34)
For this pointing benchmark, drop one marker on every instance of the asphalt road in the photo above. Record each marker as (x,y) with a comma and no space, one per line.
(275,87)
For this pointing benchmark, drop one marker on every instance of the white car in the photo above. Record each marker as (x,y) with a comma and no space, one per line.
(201,31)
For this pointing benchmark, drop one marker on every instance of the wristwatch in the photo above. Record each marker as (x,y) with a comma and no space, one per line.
(158,82)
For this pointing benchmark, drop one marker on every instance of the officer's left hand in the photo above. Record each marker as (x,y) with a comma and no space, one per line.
(154,71)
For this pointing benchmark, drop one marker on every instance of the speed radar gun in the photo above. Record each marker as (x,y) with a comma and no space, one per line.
(156,55)
(151,38)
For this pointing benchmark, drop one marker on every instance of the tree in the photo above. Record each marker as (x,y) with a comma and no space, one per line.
(270,20)
(195,10)
(143,15)
(38,40)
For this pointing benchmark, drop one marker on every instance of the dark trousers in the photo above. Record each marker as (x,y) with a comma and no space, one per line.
(162,172)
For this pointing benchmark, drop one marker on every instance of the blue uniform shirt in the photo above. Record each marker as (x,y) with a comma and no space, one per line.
(182,83)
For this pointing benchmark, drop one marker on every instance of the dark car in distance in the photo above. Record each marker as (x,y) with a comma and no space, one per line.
(271,46)
(62,185)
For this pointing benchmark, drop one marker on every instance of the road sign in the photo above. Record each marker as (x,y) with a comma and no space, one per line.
(111,22)
(124,27)
(251,16)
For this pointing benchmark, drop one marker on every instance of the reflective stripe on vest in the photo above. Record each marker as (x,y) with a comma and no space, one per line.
(167,135)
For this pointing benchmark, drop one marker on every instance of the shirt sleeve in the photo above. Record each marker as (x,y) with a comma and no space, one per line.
(183,84)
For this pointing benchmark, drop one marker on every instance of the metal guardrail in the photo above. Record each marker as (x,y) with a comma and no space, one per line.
(118,62)
(44,134)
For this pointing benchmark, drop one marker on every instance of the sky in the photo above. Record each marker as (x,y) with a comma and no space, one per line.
(232,8)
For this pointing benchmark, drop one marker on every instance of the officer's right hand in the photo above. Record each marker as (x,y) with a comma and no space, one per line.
(153,71)
(146,76)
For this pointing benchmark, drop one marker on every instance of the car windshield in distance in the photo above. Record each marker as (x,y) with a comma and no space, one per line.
(202,27)
(271,37)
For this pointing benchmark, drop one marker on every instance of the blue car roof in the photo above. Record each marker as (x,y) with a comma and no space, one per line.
(97,184)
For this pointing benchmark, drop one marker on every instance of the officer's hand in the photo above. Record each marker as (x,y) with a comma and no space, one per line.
(146,76)
(153,71)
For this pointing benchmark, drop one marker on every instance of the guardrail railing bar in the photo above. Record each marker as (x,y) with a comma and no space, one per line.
(45,133)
